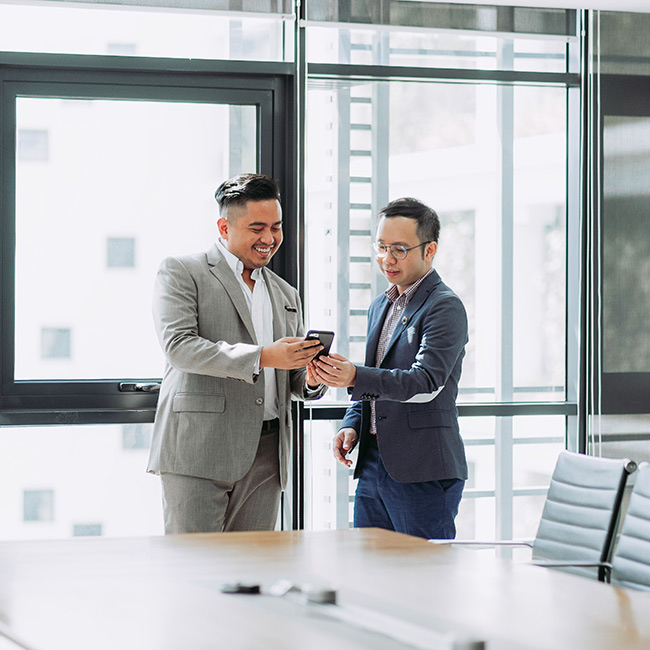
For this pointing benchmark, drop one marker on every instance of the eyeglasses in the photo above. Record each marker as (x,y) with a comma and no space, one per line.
(398,252)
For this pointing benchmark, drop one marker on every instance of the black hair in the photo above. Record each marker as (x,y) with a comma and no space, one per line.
(239,190)
(428,228)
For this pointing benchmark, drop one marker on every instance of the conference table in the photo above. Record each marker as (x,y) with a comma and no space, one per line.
(331,590)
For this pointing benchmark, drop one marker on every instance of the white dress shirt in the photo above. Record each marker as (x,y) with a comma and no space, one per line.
(259,303)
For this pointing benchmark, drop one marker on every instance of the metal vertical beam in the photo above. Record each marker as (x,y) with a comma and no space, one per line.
(380,148)
(504,426)
(297,501)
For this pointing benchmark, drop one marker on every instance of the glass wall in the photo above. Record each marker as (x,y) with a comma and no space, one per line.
(459,114)
(493,160)
(488,499)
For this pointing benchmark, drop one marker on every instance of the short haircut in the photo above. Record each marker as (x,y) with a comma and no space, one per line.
(428,228)
(239,190)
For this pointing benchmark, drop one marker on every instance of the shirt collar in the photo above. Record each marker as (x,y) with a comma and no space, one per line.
(392,293)
(236,264)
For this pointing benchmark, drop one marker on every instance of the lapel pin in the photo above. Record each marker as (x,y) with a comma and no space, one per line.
(404,320)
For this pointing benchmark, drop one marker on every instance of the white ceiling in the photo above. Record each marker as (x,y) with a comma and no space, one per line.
(641,6)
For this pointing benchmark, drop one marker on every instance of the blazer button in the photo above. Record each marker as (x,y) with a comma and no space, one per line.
(259,400)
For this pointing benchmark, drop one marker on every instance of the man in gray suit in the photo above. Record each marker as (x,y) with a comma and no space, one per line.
(233,338)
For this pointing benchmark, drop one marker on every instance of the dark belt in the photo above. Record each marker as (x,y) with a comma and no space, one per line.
(270,425)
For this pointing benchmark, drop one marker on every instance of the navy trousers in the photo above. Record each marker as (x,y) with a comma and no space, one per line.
(422,509)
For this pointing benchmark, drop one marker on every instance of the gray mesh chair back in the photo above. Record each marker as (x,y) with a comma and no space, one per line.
(582,509)
(631,561)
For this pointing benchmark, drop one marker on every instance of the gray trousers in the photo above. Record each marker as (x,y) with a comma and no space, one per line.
(200,505)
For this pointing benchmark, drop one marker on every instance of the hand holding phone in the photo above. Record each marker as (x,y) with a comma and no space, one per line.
(325,337)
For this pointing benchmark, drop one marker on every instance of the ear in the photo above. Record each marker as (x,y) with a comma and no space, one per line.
(431,249)
(222,225)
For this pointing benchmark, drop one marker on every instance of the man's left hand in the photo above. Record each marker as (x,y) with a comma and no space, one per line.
(334,370)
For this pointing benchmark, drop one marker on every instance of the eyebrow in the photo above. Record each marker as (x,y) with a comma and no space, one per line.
(262,224)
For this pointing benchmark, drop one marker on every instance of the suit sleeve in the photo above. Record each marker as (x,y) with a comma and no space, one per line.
(175,312)
(426,369)
(352,417)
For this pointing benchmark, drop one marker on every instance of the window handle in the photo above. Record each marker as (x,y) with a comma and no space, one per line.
(127,387)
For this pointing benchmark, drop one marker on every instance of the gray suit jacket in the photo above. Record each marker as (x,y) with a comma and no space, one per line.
(210,410)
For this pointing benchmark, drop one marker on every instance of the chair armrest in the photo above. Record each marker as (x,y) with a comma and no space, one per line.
(474,542)
(604,573)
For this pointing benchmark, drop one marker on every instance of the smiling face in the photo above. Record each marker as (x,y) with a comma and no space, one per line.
(402,231)
(253,232)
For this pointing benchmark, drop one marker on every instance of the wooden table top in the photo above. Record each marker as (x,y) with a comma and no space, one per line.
(164,593)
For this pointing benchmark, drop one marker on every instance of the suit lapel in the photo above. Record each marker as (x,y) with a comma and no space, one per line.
(223,273)
(275,294)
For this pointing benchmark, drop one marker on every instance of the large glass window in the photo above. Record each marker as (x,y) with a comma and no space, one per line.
(493,160)
(104,174)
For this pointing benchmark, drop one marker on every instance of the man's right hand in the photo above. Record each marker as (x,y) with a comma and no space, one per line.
(289,353)
(343,443)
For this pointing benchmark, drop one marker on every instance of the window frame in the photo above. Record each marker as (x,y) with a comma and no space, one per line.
(269,88)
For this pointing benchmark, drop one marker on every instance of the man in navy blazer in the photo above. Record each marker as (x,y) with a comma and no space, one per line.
(411,464)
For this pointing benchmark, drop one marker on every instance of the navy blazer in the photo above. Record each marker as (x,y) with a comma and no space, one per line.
(415,387)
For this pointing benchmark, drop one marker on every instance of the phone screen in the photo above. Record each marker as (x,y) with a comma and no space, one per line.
(325,337)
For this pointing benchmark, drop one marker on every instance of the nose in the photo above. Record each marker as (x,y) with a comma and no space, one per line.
(267,237)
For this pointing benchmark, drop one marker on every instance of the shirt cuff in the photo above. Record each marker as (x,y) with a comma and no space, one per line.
(309,392)
(257,370)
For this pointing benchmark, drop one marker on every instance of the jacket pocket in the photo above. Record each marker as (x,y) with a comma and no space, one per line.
(199,402)
(432,419)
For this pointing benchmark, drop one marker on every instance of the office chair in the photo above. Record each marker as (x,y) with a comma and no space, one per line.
(580,516)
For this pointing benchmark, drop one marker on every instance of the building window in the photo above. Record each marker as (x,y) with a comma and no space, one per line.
(33,145)
(86,530)
(38,505)
(136,436)
(125,49)
(120,252)
(55,343)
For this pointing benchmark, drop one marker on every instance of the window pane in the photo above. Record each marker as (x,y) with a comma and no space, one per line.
(86,530)
(38,505)
(496,466)
(126,184)
(626,247)
(623,42)
(55,343)
(33,145)
(120,252)
(58,482)
(146,32)
(434,49)
(492,161)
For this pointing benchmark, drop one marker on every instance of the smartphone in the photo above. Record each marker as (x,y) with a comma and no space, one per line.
(325,339)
